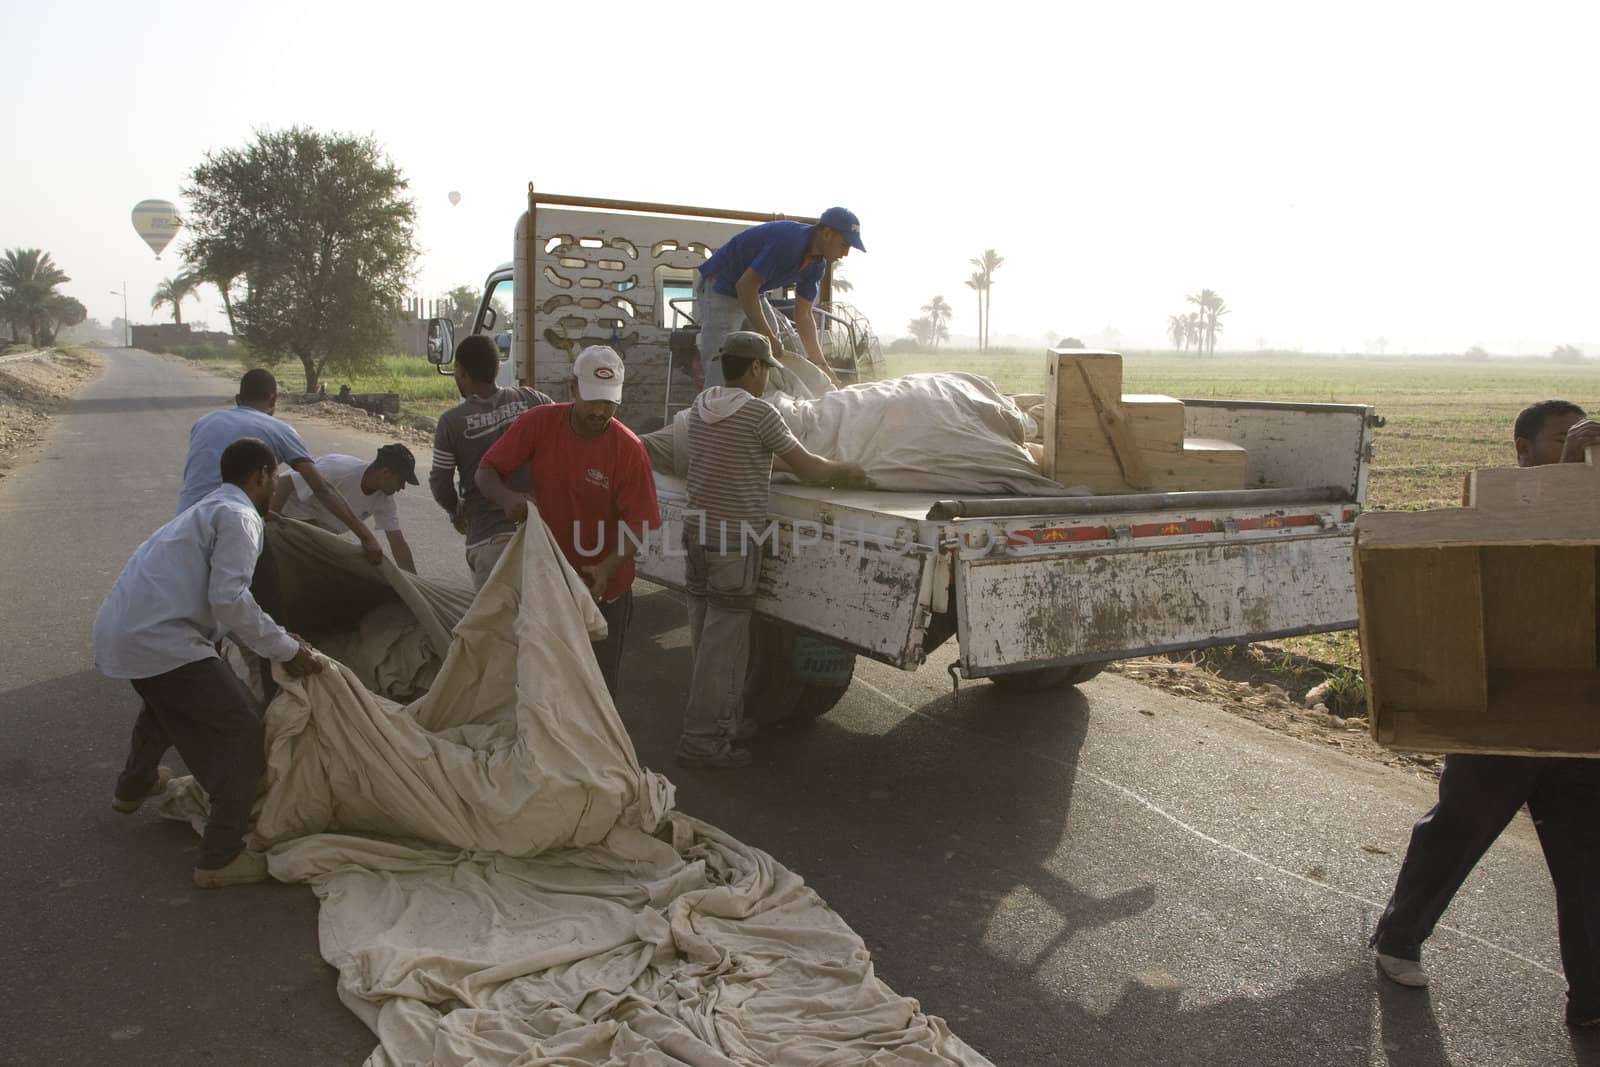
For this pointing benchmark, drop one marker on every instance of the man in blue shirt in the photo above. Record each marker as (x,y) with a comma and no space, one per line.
(252,417)
(773,255)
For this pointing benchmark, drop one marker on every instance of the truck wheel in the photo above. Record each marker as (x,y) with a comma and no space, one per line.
(1047,677)
(793,676)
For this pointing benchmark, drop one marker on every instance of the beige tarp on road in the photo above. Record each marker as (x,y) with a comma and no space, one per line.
(503,884)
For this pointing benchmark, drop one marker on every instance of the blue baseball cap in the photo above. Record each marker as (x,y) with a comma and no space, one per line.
(845,222)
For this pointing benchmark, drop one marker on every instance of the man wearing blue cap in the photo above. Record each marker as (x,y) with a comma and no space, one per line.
(773,255)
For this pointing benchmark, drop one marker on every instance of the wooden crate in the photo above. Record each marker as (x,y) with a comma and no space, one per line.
(1478,624)
(1096,436)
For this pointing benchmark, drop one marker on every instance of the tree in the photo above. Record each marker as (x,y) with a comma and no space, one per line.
(922,330)
(318,229)
(460,306)
(1567,354)
(174,291)
(1178,330)
(1212,307)
(841,284)
(987,264)
(28,297)
(978,283)
(938,313)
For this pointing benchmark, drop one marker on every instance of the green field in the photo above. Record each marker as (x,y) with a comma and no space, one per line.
(423,390)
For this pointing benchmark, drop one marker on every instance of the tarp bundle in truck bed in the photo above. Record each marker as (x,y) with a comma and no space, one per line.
(944,432)
(502,882)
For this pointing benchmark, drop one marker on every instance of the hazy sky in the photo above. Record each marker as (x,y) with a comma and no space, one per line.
(1421,172)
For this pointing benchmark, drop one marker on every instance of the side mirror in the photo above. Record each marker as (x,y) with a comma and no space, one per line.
(441,341)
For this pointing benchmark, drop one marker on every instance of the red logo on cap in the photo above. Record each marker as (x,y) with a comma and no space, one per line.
(605,372)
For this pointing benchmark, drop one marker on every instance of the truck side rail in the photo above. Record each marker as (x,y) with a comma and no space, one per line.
(1009,506)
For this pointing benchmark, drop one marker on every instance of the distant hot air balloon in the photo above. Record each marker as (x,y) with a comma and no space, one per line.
(455,198)
(157,222)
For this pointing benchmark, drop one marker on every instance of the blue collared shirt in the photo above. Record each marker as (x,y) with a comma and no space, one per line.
(214,432)
(776,251)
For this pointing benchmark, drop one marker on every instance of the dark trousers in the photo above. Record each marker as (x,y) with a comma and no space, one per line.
(1478,797)
(617,613)
(207,714)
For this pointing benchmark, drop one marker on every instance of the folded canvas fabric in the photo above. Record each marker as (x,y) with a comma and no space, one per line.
(502,883)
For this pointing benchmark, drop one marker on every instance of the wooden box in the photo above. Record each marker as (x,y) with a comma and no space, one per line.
(1096,436)
(1478,624)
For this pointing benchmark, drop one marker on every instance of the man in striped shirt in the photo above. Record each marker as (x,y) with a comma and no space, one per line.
(466,433)
(733,437)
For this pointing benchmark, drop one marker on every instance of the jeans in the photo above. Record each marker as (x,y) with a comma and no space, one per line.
(1478,797)
(722,596)
(482,557)
(617,613)
(721,315)
(204,711)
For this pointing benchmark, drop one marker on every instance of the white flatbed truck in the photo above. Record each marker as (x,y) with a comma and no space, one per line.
(1037,591)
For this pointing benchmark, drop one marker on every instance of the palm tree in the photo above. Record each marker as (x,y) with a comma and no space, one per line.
(1178,330)
(28,280)
(979,283)
(174,291)
(938,313)
(1194,329)
(988,263)
(1211,307)
(841,284)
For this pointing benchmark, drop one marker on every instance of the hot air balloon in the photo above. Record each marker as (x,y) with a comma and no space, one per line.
(157,222)
(455,198)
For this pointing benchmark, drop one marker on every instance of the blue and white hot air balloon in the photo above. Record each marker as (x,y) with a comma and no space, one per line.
(157,222)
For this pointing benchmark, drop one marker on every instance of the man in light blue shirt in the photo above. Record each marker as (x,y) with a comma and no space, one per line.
(773,255)
(186,588)
(253,417)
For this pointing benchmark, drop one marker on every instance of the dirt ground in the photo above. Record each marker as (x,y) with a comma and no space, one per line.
(34,385)
(1263,684)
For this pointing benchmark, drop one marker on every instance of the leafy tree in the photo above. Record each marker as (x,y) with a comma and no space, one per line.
(938,313)
(460,306)
(28,297)
(987,264)
(174,291)
(317,230)
(1567,354)
(922,330)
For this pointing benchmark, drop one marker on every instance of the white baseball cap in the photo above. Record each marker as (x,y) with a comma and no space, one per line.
(598,371)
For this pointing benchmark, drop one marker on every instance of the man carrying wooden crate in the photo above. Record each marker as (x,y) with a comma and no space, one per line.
(1480,794)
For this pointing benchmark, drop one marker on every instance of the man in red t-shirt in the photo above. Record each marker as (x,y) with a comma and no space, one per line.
(591,481)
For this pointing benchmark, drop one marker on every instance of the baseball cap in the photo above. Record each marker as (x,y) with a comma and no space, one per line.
(598,371)
(747,344)
(398,457)
(845,222)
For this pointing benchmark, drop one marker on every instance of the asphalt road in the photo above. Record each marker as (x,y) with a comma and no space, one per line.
(1116,876)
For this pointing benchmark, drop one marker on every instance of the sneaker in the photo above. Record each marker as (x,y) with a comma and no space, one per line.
(728,757)
(1403,972)
(243,869)
(128,807)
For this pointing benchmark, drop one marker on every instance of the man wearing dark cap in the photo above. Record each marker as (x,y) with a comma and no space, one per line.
(774,255)
(733,437)
(367,489)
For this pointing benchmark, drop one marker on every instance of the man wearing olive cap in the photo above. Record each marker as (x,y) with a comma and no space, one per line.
(774,255)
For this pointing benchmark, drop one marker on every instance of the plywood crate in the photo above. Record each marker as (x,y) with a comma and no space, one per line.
(1478,624)
(1096,436)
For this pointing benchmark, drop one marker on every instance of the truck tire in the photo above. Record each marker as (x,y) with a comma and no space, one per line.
(1047,677)
(793,676)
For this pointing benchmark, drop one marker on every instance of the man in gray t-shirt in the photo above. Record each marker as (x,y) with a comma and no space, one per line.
(465,433)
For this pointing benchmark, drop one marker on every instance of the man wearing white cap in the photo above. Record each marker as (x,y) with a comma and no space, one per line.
(591,483)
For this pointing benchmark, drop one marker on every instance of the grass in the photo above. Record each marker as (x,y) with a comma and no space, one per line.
(1444,416)
(423,390)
